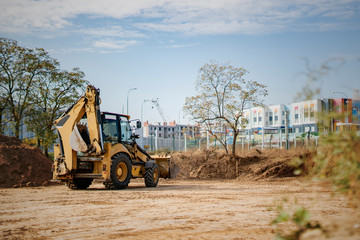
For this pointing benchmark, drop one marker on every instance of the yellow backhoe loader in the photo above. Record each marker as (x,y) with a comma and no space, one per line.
(100,145)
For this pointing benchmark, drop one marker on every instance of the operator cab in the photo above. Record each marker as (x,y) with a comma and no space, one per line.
(116,128)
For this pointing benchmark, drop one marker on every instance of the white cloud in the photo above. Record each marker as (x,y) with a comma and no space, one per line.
(183,16)
(113,44)
(182,45)
(115,31)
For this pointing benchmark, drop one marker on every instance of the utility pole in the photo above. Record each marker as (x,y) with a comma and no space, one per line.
(127,101)
(142,106)
(287,129)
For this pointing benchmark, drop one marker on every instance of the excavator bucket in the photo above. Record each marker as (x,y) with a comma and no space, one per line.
(77,143)
(167,167)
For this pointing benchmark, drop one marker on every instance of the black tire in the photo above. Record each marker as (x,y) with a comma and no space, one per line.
(120,172)
(79,183)
(152,175)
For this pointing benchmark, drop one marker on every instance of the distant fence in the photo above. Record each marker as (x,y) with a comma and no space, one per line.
(159,144)
(243,142)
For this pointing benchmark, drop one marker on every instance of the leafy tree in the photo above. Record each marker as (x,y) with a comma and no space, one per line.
(53,92)
(223,93)
(34,90)
(19,69)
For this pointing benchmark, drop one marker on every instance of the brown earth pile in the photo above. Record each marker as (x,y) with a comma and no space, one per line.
(22,165)
(253,164)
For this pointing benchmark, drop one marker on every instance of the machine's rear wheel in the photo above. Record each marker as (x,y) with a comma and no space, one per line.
(79,183)
(120,172)
(152,175)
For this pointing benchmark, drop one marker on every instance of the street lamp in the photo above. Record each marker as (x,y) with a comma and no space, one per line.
(127,101)
(142,105)
(340,93)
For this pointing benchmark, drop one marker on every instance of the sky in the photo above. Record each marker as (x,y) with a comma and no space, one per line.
(158,46)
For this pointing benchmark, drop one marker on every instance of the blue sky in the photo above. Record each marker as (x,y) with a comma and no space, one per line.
(158,46)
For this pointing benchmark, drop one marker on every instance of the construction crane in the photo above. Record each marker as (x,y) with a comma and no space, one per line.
(156,102)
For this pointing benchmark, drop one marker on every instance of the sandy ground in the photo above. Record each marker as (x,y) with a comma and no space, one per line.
(176,209)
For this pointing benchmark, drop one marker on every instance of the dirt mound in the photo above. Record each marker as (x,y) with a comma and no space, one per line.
(251,164)
(22,165)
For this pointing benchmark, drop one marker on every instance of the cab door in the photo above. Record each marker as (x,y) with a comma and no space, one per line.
(111,128)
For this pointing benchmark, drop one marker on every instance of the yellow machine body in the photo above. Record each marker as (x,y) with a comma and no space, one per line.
(96,145)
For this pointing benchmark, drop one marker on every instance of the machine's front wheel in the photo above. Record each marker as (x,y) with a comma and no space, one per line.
(79,183)
(152,175)
(120,172)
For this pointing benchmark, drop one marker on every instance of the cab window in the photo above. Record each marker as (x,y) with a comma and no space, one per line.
(110,129)
(125,129)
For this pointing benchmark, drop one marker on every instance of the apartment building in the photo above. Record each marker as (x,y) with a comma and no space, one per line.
(347,116)
(171,130)
(267,117)
(304,115)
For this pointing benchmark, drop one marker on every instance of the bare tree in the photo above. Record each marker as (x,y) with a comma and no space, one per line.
(223,94)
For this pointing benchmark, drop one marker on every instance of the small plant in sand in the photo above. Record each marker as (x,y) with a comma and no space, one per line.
(294,218)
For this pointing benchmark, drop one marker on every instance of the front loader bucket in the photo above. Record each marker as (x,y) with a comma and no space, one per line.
(168,169)
(174,170)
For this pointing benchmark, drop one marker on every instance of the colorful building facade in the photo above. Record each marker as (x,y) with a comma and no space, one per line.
(318,115)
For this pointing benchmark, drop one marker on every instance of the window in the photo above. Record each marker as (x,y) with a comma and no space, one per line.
(260,119)
(306,111)
(125,129)
(296,118)
(270,117)
(110,131)
(283,113)
(276,118)
(283,122)
(296,114)
(312,112)
(254,119)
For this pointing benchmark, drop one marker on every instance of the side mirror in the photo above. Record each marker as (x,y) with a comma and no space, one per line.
(138,124)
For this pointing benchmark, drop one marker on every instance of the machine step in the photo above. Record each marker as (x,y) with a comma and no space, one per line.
(89,159)
(87,175)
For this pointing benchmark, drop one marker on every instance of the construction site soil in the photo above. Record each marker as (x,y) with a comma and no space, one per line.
(253,164)
(22,165)
(215,196)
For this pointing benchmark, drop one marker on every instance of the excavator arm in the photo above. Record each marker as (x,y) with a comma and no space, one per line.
(70,140)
